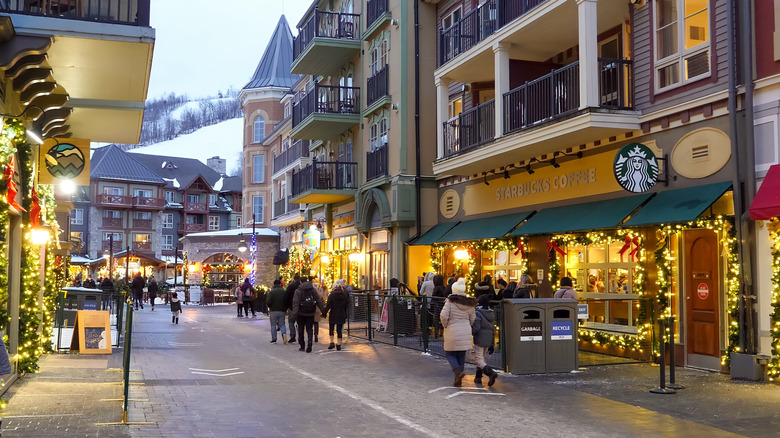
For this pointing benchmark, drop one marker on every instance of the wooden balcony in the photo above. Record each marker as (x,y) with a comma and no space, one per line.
(117,245)
(133,12)
(192,228)
(117,201)
(113,222)
(142,223)
(142,246)
(144,203)
(196,207)
(325,42)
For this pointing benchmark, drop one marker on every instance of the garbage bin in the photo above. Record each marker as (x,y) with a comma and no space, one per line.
(525,345)
(561,339)
(80,298)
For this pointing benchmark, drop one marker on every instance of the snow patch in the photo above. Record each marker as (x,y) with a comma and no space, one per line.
(174,181)
(218,184)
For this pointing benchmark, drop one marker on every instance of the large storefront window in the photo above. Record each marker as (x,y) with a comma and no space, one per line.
(603,275)
(503,265)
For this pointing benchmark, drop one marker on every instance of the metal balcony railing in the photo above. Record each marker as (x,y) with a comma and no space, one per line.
(298,150)
(545,98)
(479,24)
(376,163)
(326,24)
(377,86)
(280,207)
(616,83)
(326,99)
(374,9)
(470,129)
(133,12)
(325,175)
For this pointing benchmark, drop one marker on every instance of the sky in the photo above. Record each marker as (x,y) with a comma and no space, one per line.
(206,46)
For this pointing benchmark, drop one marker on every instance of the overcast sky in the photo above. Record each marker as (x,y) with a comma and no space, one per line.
(206,46)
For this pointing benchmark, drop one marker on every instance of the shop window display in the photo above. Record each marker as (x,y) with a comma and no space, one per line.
(502,264)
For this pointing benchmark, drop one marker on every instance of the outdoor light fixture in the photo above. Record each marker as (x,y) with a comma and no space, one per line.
(40,235)
(32,135)
(486,183)
(461,254)
(554,163)
(528,169)
(68,186)
(506,173)
(325,259)
(354,257)
(242,246)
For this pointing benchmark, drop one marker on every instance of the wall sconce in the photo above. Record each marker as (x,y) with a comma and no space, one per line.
(242,246)
(325,259)
(192,268)
(554,163)
(40,235)
(394,22)
(355,257)
(394,106)
(461,254)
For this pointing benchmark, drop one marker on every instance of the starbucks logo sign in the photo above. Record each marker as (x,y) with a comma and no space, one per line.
(636,168)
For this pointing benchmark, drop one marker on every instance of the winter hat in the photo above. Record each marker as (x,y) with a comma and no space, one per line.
(566,281)
(484,300)
(459,287)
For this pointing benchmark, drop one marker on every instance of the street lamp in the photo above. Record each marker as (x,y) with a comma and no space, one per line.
(110,256)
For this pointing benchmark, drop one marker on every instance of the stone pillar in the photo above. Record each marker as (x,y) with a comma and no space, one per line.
(589,52)
(501,59)
(442,112)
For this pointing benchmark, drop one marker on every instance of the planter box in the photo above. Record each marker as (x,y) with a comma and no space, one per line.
(748,366)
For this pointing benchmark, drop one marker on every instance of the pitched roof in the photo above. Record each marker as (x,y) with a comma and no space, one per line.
(178,171)
(274,67)
(111,162)
(232,184)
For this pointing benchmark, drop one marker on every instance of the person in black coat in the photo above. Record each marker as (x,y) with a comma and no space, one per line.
(437,303)
(485,287)
(288,300)
(138,285)
(152,288)
(338,306)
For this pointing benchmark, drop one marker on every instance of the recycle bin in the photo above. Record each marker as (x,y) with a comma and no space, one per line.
(525,334)
(561,336)
(80,298)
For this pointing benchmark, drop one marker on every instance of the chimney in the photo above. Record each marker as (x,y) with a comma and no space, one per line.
(218,164)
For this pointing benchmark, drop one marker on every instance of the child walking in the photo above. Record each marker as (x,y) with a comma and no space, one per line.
(175,308)
(484,334)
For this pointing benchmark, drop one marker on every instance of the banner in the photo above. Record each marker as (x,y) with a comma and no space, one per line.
(64,159)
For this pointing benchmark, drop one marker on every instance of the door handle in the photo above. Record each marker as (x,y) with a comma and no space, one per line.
(687,298)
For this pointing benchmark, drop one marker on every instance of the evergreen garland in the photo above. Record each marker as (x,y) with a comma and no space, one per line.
(774,362)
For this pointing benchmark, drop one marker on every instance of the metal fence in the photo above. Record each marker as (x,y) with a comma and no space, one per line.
(409,321)
(68,304)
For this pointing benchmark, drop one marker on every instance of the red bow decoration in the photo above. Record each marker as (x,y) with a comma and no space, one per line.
(635,241)
(9,176)
(520,248)
(553,245)
(35,209)
(625,247)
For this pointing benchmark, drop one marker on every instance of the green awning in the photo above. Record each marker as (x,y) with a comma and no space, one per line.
(431,236)
(680,205)
(582,217)
(487,228)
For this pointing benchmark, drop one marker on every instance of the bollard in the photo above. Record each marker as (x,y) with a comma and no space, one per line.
(672,384)
(662,389)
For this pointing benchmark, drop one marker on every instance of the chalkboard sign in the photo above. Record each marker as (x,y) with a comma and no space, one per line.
(92,332)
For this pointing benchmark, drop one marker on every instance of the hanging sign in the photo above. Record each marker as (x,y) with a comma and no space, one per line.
(61,159)
(703,291)
(636,168)
(311,239)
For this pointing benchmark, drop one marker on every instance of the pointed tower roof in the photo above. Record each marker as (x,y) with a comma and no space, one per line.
(274,67)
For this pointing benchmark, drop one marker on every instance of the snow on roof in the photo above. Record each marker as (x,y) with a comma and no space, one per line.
(235,232)
(218,184)
(174,181)
(226,137)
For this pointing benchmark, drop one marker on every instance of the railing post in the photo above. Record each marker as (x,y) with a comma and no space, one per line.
(316,22)
(368,313)
(395,319)
(424,321)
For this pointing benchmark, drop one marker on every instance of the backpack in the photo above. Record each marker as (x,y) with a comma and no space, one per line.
(308,302)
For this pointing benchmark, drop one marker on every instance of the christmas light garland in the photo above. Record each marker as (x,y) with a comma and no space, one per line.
(773,368)
(474,250)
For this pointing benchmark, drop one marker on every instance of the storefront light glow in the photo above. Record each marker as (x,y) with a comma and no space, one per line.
(325,259)
(68,186)
(461,254)
(39,236)
(355,257)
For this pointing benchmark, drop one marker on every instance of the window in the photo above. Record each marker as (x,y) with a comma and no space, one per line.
(167,220)
(259,129)
(383,49)
(451,18)
(258,169)
(212,199)
(287,110)
(257,208)
(167,241)
(143,238)
(77,216)
(77,236)
(383,132)
(372,136)
(193,199)
(117,237)
(238,221)
(146,215)
(374,66)
(191,219)
(682,38)
(112,214)
(455,108)
(117,191)
(213,223)
(141,193)
(170,197)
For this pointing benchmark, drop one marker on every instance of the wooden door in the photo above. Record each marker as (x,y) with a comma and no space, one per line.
(702,292)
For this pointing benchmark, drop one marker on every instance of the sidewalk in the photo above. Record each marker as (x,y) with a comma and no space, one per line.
(65,399)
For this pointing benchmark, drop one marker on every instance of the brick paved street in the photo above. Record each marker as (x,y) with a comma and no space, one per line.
(215,375)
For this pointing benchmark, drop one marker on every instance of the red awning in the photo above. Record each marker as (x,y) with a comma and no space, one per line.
(766,204)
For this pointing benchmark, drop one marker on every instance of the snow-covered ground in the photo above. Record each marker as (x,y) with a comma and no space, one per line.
(224,139)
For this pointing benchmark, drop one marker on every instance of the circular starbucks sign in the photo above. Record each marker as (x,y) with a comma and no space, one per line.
(636,168)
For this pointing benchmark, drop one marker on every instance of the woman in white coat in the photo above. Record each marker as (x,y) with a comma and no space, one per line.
(457,315)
